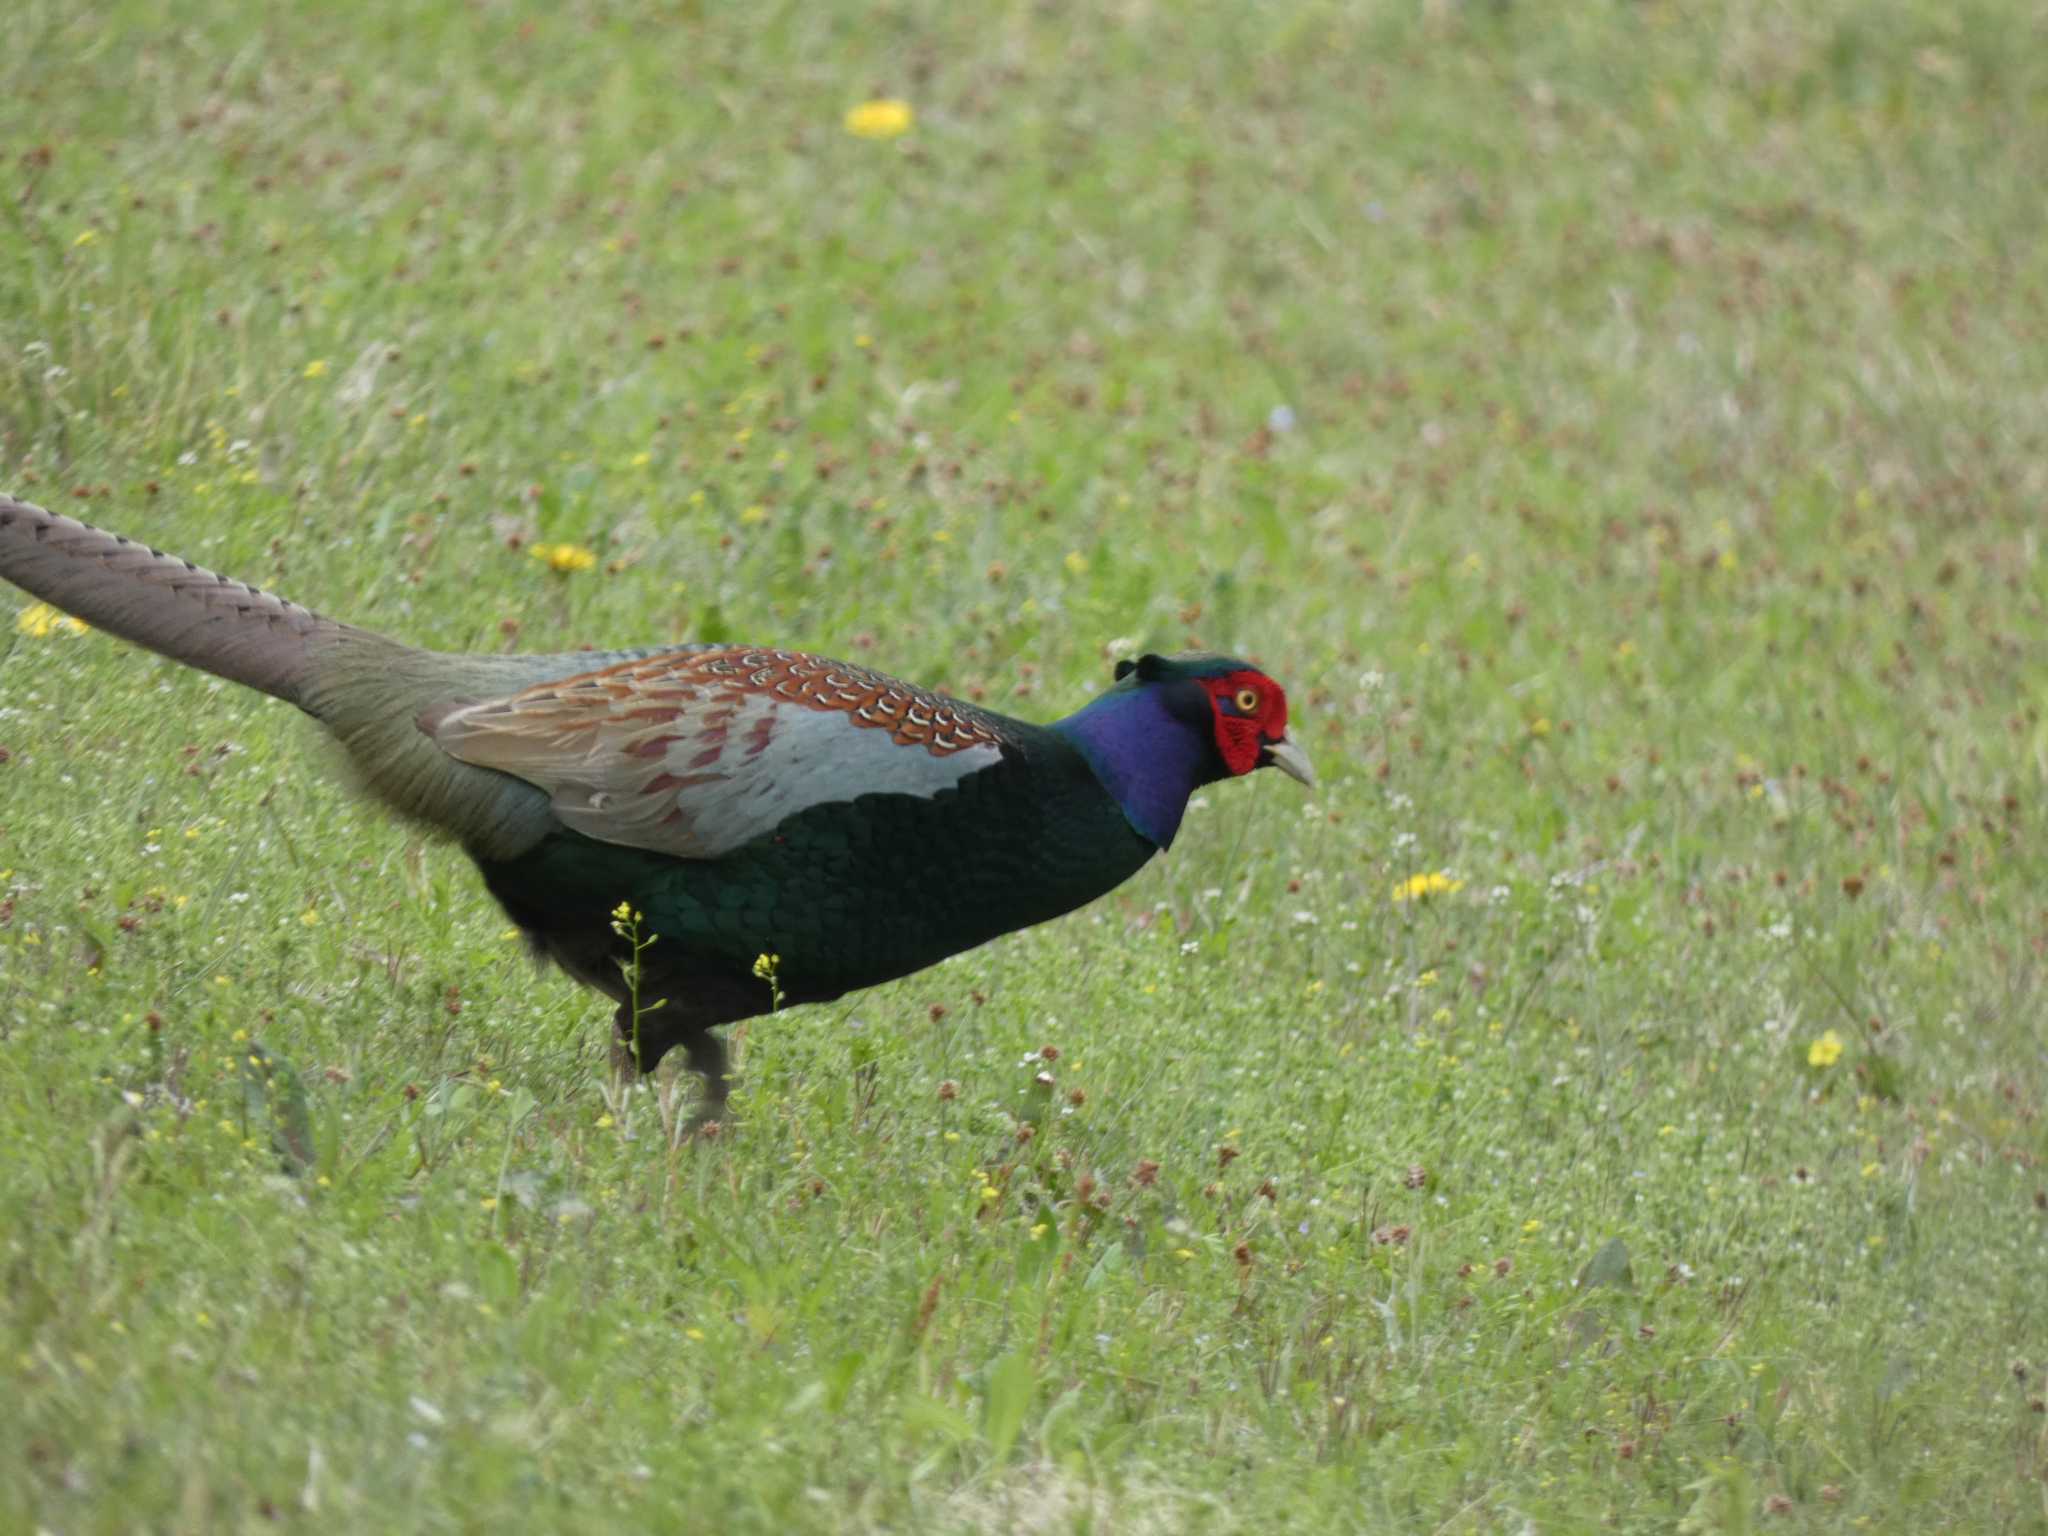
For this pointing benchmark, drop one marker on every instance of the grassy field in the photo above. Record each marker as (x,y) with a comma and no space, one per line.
(1623,426)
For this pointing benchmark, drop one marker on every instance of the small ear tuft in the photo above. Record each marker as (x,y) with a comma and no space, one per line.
(1147,666)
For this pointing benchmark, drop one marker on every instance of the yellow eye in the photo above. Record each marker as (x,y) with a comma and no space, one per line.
(1247,700)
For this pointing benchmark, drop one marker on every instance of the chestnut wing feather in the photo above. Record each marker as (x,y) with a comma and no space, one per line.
(695,753)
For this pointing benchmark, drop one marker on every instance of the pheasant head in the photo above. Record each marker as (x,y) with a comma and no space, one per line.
(1174,723)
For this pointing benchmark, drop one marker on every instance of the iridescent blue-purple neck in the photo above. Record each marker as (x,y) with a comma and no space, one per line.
(1149,758)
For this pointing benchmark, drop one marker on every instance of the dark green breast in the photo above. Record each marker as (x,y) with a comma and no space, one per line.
(858,892)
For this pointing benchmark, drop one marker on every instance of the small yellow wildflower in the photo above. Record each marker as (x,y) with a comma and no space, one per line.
(39,621)
(885,119)
(1077,563)
(623,911)
(1532,1225)
(694,1333)
(564,558)
(765,966)
(754,514)
(1421,887)
(990,1192)
(1540,726)
(316,369)
(310,917)
(1825,1051)
(86,237)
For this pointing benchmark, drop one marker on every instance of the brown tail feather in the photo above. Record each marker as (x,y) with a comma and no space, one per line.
(165,603)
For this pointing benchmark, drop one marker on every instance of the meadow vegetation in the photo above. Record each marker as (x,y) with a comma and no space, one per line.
(1612,1100)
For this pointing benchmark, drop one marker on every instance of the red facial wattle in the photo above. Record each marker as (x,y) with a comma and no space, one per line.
(1250,712)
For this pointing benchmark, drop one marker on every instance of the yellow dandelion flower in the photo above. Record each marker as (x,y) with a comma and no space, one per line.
(39,621)
(564,559)
(1422,887)
(316,369)
(884,119)
(1825,1051)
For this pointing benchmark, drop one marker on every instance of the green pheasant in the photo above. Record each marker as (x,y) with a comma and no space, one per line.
(743,799)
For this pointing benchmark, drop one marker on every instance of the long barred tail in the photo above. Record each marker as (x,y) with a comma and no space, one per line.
(170,605)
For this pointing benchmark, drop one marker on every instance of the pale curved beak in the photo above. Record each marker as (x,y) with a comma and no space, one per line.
(1286,755)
